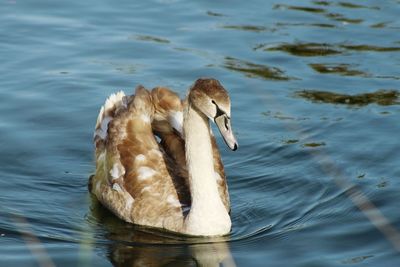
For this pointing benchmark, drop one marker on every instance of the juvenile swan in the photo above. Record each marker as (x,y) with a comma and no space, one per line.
(157,162)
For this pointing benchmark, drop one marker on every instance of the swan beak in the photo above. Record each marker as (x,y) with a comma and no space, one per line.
(224,125)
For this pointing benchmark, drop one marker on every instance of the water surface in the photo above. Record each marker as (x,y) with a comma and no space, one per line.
(315,95)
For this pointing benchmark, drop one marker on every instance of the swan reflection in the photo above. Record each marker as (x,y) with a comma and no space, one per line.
(132,245)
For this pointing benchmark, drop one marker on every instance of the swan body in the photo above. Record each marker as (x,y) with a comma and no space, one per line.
(157,162)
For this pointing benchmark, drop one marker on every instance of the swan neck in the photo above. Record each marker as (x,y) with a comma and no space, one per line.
(208,215)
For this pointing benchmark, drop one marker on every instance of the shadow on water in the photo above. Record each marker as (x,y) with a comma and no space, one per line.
(133,245)
(380,97)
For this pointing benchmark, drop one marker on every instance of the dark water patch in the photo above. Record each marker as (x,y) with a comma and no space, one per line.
(323,25)
(387,77)
(322,3)
(352,5)
(382,184)
(380,97)
(380,25)
(214,14)
(300,8)
(372,48)
(341,69)
(251,28)
(314,144)
(255,70)
(317,10)
(343,4)
(305,49)
(356,260)
(320,25)
(154,39)
(361,176)
(342,18)
(290,141)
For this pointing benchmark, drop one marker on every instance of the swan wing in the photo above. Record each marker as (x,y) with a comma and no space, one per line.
(132,177)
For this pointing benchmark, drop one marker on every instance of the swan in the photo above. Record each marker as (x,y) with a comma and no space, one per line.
(157,161)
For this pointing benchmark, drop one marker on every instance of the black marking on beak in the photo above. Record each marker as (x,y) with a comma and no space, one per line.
(219,111)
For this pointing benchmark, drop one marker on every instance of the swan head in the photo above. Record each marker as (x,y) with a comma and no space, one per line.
(209,97)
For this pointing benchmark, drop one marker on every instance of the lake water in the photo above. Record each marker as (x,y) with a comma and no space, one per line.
(315,95)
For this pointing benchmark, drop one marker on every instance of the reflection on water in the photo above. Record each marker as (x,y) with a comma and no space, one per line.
(356,259)
(255,70)
(320,25)
(214,14)
(330,15)
(212,255)
(133,245)
(300,8)
(342,69)
(251,28)
(373,48)
(152,39)
(323,49)
(381,97)
(303,49)
(342,18)
(314,144)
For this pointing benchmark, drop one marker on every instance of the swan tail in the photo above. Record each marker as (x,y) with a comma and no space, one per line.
(112,105)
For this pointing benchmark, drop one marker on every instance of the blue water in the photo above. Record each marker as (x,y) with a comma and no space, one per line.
(315,181)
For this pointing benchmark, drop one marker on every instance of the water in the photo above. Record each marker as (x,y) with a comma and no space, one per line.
(315,181)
